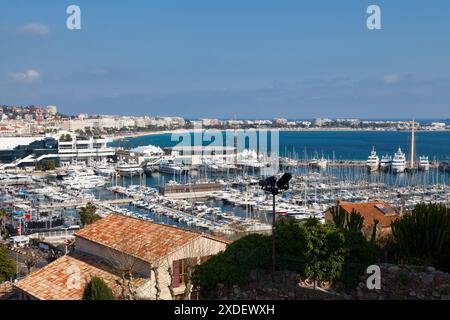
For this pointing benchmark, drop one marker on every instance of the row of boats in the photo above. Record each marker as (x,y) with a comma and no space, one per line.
(396,164)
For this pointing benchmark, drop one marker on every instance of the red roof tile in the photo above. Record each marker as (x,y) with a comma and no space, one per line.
(57,280)
(138,238)
(378,210)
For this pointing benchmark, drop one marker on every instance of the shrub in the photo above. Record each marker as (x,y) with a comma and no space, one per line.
(423,236)
(97,289)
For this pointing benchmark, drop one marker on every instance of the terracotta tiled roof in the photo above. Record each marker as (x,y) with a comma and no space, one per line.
(57,281)
(379,210)
(145,240)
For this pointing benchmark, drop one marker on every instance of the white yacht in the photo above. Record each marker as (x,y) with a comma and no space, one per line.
(399,162)
(424,163)
(319,163)
(373,161)
(104,170)
(126,169)
(82,179)
(171,168)
(386,162)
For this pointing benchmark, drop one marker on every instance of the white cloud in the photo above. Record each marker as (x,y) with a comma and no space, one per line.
(28,76)
(392,78)
(35,29)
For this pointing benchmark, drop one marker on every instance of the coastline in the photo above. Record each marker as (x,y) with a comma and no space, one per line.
(183,131)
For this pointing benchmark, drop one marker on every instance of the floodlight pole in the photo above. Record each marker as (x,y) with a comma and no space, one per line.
(273,239)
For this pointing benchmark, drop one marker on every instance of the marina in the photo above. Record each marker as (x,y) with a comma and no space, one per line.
(215,189)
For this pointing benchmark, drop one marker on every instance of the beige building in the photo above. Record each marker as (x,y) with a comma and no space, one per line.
(155,255)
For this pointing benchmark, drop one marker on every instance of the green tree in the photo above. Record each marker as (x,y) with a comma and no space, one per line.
(49,165)
(324,251)
(37,166)
(88,215)
(3,219)
(235,264)
(97,289)
(7,265)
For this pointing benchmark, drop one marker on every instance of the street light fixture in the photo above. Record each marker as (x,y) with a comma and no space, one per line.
(274,187)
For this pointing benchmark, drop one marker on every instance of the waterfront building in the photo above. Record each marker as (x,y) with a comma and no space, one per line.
(78,148)
(66,148)
(116,243)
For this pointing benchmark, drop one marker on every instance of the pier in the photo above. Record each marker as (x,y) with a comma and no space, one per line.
(78,204)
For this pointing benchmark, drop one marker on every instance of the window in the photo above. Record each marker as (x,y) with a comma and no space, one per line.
(98,145)
(180,271)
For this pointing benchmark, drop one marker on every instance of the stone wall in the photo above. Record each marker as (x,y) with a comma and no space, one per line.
(405,283)
(397,283)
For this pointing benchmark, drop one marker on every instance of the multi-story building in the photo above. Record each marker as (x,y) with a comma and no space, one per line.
(63,149)
(72,147)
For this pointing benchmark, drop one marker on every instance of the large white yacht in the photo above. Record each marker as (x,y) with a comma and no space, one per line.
(171,168)
(424,163)
(319,163)
(126,169)
(399,162)
(79,179)
(373,161)
(386,162)
(104,170)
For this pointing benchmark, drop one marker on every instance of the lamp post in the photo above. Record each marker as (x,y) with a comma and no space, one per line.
(274,187)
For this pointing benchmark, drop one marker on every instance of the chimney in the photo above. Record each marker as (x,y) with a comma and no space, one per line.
(339,202)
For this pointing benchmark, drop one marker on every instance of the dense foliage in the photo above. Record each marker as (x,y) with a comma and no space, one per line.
(324,250)
(3,220)
(423,236)
(359,253)
(320,252)
(234,265)
(97,289)
(7,265)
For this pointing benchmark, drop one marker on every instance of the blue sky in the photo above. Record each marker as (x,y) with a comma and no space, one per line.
(209,58)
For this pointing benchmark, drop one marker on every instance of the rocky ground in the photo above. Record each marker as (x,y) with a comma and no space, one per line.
(406,283)
(397,283)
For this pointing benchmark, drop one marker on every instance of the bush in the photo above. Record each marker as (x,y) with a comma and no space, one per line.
(324,251)
(97,289)
(423,236)
(313,250)
(234,265)
(360,253)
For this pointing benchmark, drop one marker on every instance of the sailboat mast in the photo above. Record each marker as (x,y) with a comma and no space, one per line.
(412,146)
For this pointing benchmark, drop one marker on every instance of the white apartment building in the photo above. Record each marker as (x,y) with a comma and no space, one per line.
(72,147)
